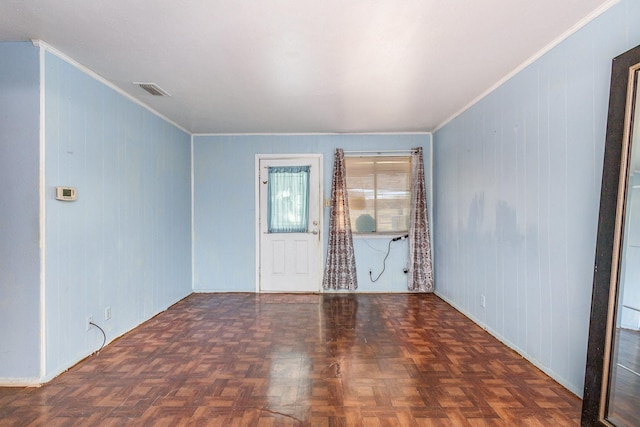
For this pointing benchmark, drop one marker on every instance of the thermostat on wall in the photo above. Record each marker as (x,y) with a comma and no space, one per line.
(66,193)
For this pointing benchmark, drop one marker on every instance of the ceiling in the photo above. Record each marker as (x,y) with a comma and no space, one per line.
(300,66)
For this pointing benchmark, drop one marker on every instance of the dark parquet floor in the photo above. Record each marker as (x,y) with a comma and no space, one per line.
(299,360)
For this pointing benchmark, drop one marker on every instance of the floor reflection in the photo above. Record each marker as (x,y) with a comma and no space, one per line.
(325,360)
(339,313)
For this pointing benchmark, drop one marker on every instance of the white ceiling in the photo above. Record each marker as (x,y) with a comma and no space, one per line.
(300,66)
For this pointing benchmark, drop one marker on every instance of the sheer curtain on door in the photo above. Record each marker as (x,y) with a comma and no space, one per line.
(288,199)
(340,269)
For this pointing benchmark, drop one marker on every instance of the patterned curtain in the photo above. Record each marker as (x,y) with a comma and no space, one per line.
(420,273)
(340,270)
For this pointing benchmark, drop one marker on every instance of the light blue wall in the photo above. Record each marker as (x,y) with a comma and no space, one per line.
(19,218)
(224,206)
(126,242)
(517,188)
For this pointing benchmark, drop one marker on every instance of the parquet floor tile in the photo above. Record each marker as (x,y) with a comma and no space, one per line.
(332,360)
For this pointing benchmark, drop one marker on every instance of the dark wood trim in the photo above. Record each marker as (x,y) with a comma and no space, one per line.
(603,267)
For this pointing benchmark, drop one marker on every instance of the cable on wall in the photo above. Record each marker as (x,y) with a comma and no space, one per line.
(104,336)
(384,261)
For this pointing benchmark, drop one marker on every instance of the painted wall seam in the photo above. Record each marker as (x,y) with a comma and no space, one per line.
(42,213)
(430,210)
(256,198)
(193,198)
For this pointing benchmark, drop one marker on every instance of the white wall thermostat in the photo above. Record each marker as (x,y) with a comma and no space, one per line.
(66,193)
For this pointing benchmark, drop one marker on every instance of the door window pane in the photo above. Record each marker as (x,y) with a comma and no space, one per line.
(288,199)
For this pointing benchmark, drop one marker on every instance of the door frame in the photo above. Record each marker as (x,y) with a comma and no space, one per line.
(258,158)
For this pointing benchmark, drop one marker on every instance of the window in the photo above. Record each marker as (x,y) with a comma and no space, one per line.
(379,190)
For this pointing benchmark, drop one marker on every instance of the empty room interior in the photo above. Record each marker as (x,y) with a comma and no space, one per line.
(145,264)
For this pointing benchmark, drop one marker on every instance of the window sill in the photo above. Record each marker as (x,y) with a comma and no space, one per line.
(378,235)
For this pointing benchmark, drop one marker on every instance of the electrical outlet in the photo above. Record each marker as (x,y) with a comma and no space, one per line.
(107,313)
(89,322)
(483,301)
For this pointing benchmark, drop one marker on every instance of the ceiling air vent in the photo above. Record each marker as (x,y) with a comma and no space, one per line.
(152,88)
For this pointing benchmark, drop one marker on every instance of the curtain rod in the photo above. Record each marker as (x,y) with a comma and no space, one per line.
(267,167)
(379,151)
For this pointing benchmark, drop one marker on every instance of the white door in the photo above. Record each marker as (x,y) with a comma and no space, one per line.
(289,251)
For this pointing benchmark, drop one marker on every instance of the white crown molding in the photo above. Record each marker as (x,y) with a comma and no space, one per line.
(574,29)
(312,133)
(47,47)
